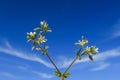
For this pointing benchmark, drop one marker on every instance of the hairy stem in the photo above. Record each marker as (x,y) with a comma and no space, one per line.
(73,61)
(50,59)
(71,64)
(61,78)
(52,62)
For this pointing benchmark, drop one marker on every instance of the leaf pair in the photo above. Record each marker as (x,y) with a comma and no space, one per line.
(65,75)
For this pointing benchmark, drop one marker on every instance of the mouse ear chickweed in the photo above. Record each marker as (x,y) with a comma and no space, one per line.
(38,38)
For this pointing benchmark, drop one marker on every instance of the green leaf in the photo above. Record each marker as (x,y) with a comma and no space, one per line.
(44,51)
(79,56)
(90,57)
(29,40)
(34,45)
(38,35)
(36,29)
(67,74)
(38,49)
(49,30)
(57,73)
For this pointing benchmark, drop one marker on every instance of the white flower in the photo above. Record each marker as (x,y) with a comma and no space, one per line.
(81,43)
(41,22)
(87,50)
(42,39)
(44,27)
(31,32)
(44,24)
(96,50)
(34,32)
(91,50)
(31,35)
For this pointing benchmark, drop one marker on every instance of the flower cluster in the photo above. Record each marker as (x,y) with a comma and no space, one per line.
(88,50)
(39,39)
(82,42)
(31,36)
(44,27)
(39,42)
(91,50)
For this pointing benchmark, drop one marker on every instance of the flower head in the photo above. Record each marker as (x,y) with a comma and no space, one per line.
(91,50)
(94,50)
(41,39)
(44,24)
(82,42)
(44,27)
(31,36)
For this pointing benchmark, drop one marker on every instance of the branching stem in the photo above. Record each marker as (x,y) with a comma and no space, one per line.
(71,64)
(44,45)
(52,62)
(73,61)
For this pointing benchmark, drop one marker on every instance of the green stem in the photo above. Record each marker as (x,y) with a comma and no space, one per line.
(61,78)
(50,57)
(52,62)
(71,64)
(73,61)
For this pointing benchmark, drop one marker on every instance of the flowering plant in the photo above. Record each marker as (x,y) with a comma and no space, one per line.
(39,42)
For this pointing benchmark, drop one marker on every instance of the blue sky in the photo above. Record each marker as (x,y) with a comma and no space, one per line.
(97,20)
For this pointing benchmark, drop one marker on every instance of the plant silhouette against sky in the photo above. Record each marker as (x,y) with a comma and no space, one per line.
(39,43)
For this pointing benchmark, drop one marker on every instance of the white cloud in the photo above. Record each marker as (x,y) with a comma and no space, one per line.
(101,67)
(40,74)
(105,55)
(22,67)
(116,30)
(9,50)
(43,75)
(97,58)
(64,61)
(116,34)
(8,75)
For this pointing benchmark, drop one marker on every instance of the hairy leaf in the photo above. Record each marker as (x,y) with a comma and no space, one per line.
(57,73)
(36,29)
(67,74)
(90,57)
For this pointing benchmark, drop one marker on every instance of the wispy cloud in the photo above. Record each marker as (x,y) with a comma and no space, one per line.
(101,67)
(38,73)
(22,67)
(103,56)
(11,51)
(8,75)
(43,75)
(64,62)
(116,30)
(116,34)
